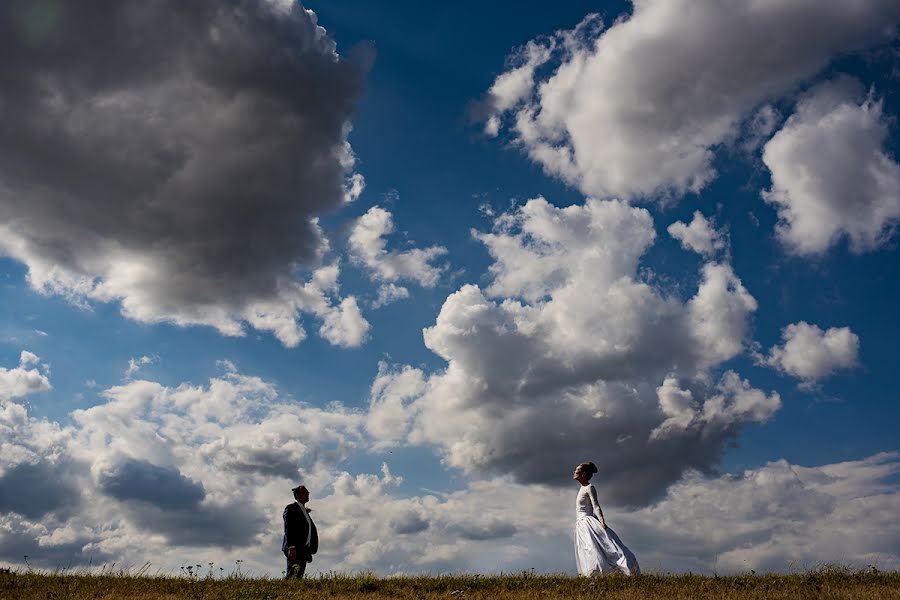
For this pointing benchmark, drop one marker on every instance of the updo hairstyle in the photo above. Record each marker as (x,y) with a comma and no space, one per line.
(588,468)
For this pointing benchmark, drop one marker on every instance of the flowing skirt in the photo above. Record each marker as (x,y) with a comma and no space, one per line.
(599,551)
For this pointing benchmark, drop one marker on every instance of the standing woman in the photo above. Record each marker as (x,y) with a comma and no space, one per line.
(598,550)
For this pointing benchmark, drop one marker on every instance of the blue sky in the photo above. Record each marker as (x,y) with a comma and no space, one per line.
(191,281)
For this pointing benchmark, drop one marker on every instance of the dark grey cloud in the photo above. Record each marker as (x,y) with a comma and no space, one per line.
(633,471)
(230,526)
(34,490)
(171,155)
(409,522)
(270,462)
(486,530)
(164,487)
(162,500)
(16,544)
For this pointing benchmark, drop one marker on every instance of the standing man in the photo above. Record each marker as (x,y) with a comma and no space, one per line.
(301,540)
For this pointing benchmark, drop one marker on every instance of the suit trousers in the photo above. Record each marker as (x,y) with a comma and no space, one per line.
(297,568)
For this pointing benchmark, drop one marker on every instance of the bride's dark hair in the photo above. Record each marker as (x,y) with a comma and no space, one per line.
(588,468)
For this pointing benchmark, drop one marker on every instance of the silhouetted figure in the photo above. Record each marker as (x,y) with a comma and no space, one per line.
(301,540)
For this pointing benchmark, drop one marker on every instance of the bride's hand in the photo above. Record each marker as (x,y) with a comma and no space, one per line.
(603,523)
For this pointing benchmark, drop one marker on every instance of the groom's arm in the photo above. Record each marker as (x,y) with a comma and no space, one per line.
(290,528)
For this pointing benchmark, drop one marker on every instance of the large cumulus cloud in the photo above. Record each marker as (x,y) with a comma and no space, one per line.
(638,109)
(564,356)
(174,156)
(831,174)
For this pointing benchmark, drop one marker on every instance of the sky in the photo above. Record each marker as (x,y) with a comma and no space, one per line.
(425,259)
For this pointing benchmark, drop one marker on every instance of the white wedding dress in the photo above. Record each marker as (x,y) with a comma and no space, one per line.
(598,551)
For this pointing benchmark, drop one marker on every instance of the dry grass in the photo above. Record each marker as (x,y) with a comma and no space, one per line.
(822,583)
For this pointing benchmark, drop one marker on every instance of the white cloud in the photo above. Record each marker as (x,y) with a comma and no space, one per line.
(344,325)
(779,517)
(719,314)
(490,526)
(700,235)
(831,176)
(810,354)
(188,196)
(388,293)
(617,115)
(135,364)
(513,86)
(368,247)
(22,380)
(734,401)
(564,350)
(354,187)
(387,419)
(27,358)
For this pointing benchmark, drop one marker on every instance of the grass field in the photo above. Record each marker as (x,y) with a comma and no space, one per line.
(824,583)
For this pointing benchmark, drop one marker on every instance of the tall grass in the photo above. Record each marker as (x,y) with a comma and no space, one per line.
(820,583)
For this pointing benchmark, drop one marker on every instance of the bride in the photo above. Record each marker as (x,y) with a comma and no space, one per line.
(598,550)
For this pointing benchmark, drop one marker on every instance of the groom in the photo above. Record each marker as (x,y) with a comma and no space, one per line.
(301,540)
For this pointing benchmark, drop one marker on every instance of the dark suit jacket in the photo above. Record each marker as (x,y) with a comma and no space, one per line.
(295,530)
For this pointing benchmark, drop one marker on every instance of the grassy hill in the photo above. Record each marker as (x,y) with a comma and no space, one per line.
(825,583)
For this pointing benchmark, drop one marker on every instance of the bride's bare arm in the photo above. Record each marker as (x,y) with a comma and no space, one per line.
(598,512)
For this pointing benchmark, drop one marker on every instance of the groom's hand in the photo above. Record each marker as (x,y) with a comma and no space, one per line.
(292,554)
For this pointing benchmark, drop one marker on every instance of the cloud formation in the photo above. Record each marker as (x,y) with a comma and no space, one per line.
(154,471)
(734,401)
(163,487)
(25,379)
(368,247)
(831,176)
(174,157)
(778,517)
(564,350)
(135,364)
(810,354)
(636,110)
(700,235)
(37,474)
(152,468)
